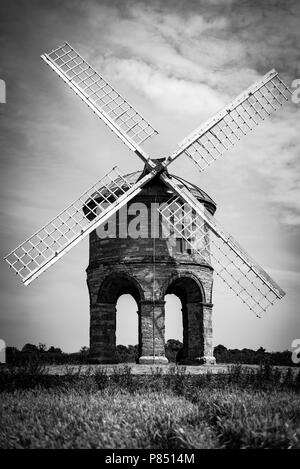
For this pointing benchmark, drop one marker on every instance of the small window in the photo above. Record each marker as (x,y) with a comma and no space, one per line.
(183,246)
(188,247)
(179,244)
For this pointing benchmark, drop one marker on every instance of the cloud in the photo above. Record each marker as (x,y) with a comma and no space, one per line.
(274,156)
(195,61)
(167,92)
(179,61)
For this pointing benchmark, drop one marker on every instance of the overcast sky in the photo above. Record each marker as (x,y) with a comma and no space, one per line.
(178,63)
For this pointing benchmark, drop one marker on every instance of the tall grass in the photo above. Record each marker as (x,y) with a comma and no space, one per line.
(244,408)
(100,420)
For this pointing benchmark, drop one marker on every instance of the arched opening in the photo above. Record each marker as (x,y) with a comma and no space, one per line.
(127,328)
(173,327)
(116,285)
(173,318)
(104,323)
(190,297)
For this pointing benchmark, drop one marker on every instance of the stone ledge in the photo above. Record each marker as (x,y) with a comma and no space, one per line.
(108,261)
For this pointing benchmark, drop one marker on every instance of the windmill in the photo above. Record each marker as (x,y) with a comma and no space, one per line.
(183,212)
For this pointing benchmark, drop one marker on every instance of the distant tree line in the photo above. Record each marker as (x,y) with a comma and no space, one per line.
(130,353)
(252,357)
(51,355)
(54,355)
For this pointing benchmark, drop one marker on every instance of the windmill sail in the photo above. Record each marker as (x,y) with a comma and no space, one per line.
(63,232)
(231,262)
(247,111)
(101,97)
(246,278)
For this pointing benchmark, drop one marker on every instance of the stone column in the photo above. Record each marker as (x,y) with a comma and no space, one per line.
(208,350)
(152,332)
(185,334)
(194,333)
(103,333)
(199,347)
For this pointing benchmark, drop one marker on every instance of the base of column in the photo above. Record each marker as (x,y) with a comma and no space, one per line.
(150,360)
(197,361)
(102,361)
(206,360)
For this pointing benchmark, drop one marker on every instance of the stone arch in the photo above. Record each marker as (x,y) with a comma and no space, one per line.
(188,286)
(196,317)
(103,315)
(117,284)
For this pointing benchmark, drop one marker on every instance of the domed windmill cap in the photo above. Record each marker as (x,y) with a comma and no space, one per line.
(200,194)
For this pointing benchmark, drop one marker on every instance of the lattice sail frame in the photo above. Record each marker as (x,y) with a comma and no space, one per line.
(207,143)
(233,265)
(74,223)
(203,146)
(99,95)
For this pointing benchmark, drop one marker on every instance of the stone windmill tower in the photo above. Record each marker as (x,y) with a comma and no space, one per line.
(148,262)
(177,244)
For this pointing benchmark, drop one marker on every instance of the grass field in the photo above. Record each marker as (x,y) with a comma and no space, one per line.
(93,408)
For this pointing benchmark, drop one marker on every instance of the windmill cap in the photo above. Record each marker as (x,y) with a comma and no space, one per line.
(200,194)
(132,178)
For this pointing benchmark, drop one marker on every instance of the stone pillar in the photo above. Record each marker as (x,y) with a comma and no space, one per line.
(152,332)
(198,335)
(185,334)
(208,350)
(103,333)
(194,331)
